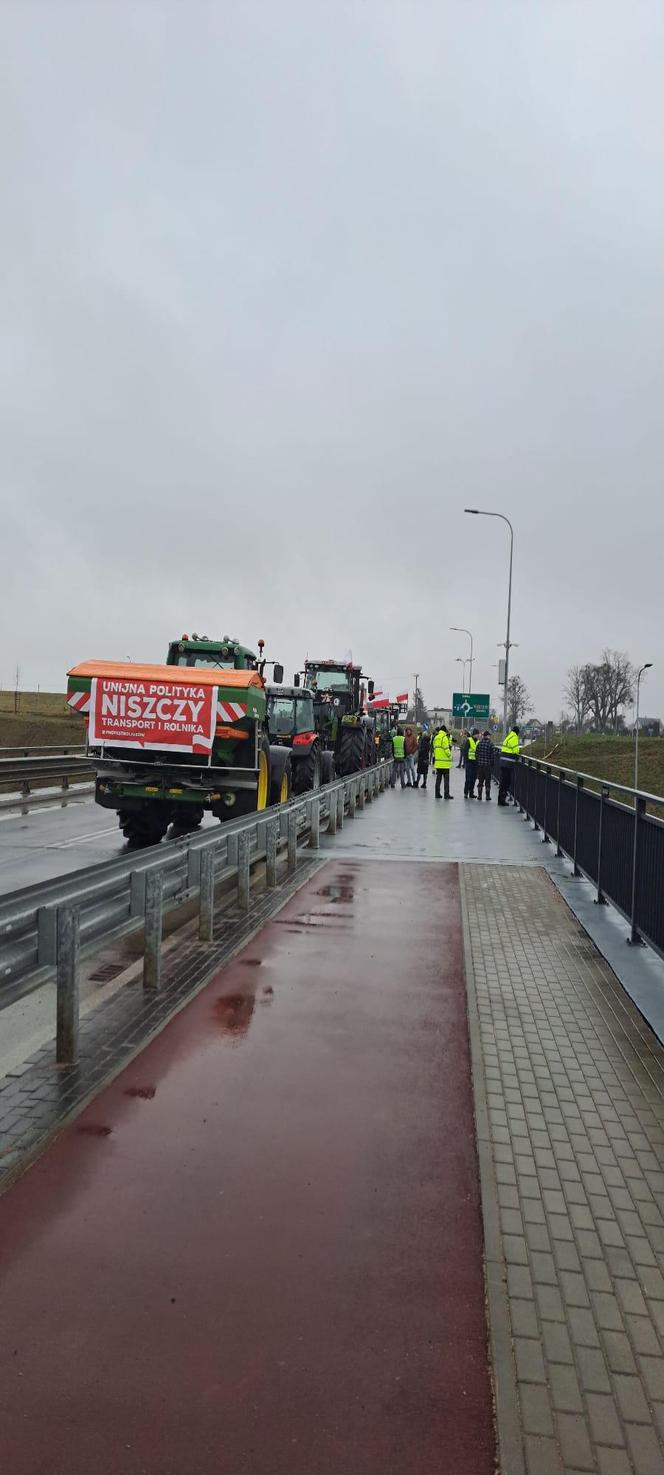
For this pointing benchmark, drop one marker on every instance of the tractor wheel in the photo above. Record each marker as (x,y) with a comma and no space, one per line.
(307,771)
(142,827)
(187,818)
(352,754)
(281,777)
(371,754)
(249,801)
(327,774)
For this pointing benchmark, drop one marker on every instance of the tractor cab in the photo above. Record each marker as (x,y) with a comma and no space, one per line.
(290,714)
(343,726)
(225,655)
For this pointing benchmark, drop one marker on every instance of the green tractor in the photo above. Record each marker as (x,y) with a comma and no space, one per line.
(172,742)
(386,719)
(292,728)
(344,728)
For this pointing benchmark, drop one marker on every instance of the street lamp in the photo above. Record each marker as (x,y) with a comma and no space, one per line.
(479,512)
(647,666)
(461,630)
(461,662)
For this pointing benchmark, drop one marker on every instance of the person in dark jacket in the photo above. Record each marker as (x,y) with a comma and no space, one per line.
(463,748)
(423,756)
(485,757)
(471,766)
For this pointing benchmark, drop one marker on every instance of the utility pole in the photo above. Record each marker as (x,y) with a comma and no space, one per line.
(416,699)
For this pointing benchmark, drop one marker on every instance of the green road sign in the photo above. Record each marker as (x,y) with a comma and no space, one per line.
(471,706)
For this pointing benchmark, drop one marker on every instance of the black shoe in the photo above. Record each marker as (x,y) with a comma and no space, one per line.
(449,796)
(438,796)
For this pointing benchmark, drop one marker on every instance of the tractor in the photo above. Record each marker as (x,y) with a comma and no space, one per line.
(171,742)
(344,728)
(291,726)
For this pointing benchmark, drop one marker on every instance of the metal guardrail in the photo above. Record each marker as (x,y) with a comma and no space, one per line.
(45,928)
(18,775)
(37,749)
(617,846)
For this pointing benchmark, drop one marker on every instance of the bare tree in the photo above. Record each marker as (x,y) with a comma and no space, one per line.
(609,686)
(576,692)
(518,700)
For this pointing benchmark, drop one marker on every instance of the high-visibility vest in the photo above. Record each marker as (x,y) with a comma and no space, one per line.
(398,745)
(510,746)
(442,750)
(472,744)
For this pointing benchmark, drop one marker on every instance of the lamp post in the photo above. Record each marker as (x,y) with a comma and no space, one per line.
(461,662)
(461,630)
(647,666)
(480,512)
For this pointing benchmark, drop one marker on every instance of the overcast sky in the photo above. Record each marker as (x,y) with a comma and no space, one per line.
(287,285)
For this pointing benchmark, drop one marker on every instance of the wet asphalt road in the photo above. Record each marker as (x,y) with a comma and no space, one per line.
(53,842)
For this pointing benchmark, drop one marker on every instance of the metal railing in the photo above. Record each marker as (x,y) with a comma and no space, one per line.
(18,775)
(36,750)
(616,845)
(44,929)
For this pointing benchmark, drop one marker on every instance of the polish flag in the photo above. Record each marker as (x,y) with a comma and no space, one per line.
(402,696)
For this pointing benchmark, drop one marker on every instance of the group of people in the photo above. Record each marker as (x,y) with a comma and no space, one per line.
(477,755)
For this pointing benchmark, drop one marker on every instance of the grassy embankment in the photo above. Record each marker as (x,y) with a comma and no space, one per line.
(608,758)
(43,719)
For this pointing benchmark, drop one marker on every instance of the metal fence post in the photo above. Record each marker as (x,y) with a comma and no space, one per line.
(536,773)
(559,852)
(341,801)
(68,947)
(206,896)
(545,837)
(271,838)
(367,785)
(600,899)
(154,902)
(579,786)
(292,839)
(352,792)
(639,812)
(314,841)
(332,817)
(360,792)
(243,872)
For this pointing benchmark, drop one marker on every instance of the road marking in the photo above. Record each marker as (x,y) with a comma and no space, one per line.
(82,839)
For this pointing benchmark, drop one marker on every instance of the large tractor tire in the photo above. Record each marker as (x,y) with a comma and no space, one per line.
(187,819)
(307,771)
(251,801)
(327,773)
(143,827)
(281,776)
(352,755)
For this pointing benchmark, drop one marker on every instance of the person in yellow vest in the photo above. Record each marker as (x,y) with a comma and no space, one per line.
(471,765)
(442,760)
(509,753)
(399,751)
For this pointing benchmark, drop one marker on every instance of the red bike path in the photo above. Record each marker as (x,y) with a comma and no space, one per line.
(259,1250)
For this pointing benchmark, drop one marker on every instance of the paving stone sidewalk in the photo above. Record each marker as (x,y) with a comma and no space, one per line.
(572,1080)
